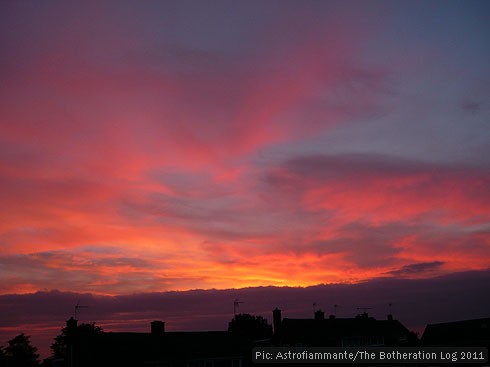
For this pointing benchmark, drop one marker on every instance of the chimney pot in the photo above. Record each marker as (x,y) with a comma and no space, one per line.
(276,320)
(157,327)
(71,324)
(319,315)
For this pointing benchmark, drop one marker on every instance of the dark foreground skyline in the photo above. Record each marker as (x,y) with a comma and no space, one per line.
(415,303)
(173,145)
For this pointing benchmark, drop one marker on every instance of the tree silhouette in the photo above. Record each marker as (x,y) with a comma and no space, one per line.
(59,347)
(3,358)
(250,326)
(20,352)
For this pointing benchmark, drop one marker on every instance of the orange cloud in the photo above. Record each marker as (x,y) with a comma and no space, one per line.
(132,159)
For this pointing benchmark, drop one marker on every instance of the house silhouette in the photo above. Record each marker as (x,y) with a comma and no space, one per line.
(359,331)
(465,333)
(159,347)
(156,348)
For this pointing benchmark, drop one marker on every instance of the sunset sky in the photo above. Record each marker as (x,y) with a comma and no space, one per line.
(148,146)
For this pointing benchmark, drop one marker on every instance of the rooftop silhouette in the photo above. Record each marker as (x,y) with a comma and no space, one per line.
(232,347)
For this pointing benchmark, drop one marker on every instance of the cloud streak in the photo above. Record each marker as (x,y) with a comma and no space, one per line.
(415,302)
(154,147)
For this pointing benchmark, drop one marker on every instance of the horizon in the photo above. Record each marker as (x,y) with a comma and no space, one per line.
(414,302)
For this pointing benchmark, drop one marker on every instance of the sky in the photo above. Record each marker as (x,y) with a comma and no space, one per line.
(174,145)
(159,159)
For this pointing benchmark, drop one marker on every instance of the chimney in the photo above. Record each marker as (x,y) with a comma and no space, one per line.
(276,320)
(157,327)
(71,324)
(390,317)
(319,315)
(72,341)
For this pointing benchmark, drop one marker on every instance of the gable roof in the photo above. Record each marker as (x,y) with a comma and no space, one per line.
(335,331)
(474,332)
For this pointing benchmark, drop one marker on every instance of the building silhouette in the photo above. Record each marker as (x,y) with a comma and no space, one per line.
(359,331)
(159,347)
(465,333)
(156,348)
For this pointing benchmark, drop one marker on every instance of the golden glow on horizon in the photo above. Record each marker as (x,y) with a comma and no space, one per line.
(134,162)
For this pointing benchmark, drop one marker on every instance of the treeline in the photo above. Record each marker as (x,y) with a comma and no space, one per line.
(19,352)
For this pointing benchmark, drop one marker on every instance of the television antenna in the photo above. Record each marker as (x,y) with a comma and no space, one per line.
(77,307)
(335,306)
(236,305)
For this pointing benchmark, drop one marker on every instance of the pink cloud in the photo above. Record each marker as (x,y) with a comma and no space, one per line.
(115,134)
